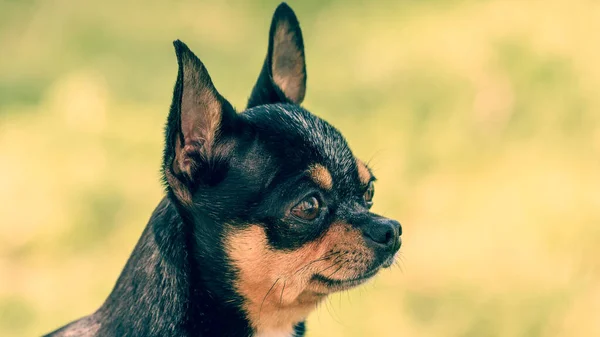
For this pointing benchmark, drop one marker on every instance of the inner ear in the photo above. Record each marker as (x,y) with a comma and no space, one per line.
(198,119)
(201,106)
(283,76)
(288,67)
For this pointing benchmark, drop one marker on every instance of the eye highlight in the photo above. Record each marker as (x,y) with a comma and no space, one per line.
(369,193)
(308,209)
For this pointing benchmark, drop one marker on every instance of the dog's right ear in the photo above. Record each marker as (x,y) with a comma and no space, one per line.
(283,75)
(198,119)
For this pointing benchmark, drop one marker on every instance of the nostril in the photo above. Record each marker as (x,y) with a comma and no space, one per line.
(388,236)
(382,234)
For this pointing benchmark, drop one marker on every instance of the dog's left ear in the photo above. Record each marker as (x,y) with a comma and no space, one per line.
(283,76)
(199,119)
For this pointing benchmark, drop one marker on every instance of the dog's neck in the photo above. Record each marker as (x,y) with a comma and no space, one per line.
(159,293)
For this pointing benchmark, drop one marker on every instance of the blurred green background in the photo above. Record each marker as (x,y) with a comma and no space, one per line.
(481,120)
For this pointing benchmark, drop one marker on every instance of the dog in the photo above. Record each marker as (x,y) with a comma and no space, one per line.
(266,212)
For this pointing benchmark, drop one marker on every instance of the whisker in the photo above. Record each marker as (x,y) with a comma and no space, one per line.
(264,298)
(336,262)
(330,275)
(281,295)
(400,262)
(316,260)
(330,308)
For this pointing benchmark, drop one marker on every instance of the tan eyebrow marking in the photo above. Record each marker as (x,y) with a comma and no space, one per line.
(363,172)
(321,175)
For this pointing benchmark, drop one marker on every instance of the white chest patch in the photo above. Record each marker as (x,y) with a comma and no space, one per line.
(274,334)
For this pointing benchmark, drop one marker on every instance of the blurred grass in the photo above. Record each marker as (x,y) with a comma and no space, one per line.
(480,119)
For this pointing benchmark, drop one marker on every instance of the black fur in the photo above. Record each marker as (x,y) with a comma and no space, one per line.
(243,169)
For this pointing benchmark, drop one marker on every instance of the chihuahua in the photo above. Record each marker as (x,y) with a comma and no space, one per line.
(266,212)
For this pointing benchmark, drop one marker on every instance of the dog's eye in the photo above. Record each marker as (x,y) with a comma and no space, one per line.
(369,193)
(307,209)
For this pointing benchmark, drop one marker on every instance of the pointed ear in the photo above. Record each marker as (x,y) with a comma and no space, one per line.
(198,119)
(283,76)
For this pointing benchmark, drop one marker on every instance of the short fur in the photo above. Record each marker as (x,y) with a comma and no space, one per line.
(228,251)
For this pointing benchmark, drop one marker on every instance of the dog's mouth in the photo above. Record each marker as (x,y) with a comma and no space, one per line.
(336,284)
(343,284)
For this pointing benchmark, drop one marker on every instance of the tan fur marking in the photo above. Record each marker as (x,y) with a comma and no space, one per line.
(321,175)
(181,191)
(276,285)
(363,172)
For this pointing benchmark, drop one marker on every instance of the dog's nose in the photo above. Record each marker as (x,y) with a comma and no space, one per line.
(384,233)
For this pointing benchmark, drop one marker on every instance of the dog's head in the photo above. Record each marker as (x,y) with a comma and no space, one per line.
(278,203)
